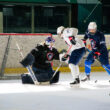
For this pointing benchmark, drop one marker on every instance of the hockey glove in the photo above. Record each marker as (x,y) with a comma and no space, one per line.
(64,58)
(96,55)
(72,40)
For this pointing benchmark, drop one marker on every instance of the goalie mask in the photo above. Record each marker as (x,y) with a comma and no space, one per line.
(49,41)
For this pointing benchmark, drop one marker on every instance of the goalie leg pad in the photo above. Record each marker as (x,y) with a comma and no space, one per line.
(55,78)
(26,79)
(42,77)
(46,75)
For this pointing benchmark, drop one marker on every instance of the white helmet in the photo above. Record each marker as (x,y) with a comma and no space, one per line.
(92,25)
(60,29)
(74,32)
(70,32)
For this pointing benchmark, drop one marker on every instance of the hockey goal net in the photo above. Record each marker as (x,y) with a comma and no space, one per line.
(9,53)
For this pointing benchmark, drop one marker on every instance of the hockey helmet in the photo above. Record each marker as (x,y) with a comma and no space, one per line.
(60,29)
(49,40)
(70,32)
(92,25)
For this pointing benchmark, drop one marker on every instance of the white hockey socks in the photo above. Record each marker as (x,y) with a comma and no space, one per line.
(74,71)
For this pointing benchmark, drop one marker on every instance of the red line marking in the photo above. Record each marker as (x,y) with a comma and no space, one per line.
(40,34)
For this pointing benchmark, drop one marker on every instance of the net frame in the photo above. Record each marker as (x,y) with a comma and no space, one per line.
(27,41)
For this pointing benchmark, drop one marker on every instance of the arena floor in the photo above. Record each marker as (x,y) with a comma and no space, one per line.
(86,96)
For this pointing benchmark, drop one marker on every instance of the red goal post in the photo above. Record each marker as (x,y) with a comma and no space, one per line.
(28,34)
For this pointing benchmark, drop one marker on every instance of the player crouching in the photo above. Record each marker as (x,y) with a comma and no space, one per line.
(40,58)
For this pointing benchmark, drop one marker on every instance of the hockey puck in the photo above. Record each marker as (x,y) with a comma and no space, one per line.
(95,81)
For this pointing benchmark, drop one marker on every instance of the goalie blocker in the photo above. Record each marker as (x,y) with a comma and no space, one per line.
(40,58)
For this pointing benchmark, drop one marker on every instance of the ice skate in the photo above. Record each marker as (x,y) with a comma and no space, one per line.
(77,81)
(86,78)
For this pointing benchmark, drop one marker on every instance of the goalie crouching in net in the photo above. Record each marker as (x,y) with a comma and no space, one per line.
(40,58)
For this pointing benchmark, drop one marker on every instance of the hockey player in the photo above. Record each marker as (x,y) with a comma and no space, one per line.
(98,49)
(40,58)
(76,50)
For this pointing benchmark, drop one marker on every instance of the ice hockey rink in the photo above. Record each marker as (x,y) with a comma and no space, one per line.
(61,96)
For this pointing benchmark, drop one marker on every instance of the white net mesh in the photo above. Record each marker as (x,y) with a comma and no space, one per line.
(26,43)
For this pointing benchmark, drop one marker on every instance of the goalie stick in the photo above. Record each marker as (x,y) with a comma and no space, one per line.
(28,67)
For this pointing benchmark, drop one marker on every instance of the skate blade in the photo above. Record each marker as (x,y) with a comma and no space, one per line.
(44,83)
(75,85)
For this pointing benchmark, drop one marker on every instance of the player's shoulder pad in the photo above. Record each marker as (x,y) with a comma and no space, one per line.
(100,33)
(39,46)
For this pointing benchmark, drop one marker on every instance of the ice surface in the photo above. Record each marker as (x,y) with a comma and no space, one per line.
(61,96)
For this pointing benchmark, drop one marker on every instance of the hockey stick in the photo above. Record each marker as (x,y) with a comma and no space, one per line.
(99,61)
(56,71)
(28,67)
(60,63)
(102,65)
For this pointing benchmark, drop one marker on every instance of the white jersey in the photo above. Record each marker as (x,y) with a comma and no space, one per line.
(67,33)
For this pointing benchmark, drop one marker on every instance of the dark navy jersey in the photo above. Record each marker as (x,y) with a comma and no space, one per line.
(44,56)
(97,40)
